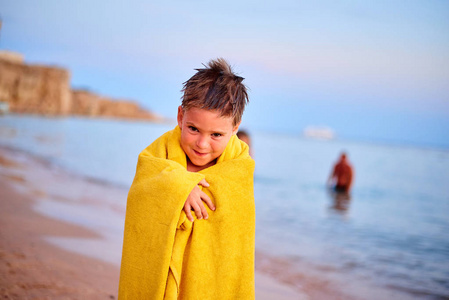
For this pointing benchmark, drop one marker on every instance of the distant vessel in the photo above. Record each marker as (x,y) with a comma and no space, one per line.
(319,132)
(4,108)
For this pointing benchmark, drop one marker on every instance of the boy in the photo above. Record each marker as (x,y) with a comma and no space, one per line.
(200,166)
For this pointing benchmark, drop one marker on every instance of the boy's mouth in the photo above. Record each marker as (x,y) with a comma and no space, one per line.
(199,153)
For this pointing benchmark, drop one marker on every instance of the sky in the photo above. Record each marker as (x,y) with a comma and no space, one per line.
(370,70)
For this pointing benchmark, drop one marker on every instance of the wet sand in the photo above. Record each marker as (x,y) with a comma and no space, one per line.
(30,268)
(33,267)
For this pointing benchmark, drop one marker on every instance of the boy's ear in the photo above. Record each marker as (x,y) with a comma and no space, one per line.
(180,116)
(236,128)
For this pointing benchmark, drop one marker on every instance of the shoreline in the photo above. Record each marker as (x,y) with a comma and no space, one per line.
(43,232)
(32,268)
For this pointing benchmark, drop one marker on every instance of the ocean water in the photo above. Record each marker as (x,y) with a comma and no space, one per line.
(390,239)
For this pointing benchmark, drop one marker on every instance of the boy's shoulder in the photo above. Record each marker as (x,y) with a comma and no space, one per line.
(167,146)
(236,149)
(159,146)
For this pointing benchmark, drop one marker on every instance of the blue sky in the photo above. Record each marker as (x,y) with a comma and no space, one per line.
(371,70)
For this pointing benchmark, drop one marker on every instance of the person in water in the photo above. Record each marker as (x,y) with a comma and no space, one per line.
(342,175)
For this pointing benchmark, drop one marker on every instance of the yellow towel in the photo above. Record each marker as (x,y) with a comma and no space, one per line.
(165,256)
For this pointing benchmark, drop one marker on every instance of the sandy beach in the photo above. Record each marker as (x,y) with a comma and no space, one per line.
(31,268)
(43,256)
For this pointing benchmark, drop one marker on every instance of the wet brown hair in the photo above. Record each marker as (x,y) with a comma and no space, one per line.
(216,87)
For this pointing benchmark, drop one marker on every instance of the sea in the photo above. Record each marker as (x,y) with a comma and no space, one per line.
(388,239)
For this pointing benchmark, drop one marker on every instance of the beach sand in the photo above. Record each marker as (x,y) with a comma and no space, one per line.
(44,256)
(31,268)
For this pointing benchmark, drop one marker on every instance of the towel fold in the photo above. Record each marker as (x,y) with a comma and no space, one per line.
(165,256)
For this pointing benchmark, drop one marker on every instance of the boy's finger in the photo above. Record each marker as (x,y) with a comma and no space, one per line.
(187,210)
(197,210)
(208,201)
(204,183)
(204,211)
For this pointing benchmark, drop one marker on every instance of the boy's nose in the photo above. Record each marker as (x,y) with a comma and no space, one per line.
(202,142)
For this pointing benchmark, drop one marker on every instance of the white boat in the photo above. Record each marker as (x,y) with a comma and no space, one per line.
(319,132)
(4,108)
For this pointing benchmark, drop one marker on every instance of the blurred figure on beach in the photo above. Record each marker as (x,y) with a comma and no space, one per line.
(244,136)
(342,175)
(340,183)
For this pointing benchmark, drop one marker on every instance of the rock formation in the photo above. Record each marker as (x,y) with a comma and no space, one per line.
(33,88)
(85,103)
(37,89)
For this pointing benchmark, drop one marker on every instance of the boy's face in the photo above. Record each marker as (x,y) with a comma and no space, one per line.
(204,136)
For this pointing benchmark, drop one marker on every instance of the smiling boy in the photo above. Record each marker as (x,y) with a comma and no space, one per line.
(199,166)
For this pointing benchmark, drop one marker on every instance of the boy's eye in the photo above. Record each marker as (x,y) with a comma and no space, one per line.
(193,128)
(216,134)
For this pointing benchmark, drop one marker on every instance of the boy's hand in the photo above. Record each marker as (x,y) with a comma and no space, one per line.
(195,202)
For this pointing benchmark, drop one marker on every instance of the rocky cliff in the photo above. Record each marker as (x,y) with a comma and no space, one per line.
(34,89)
(37,89)
(85,103)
